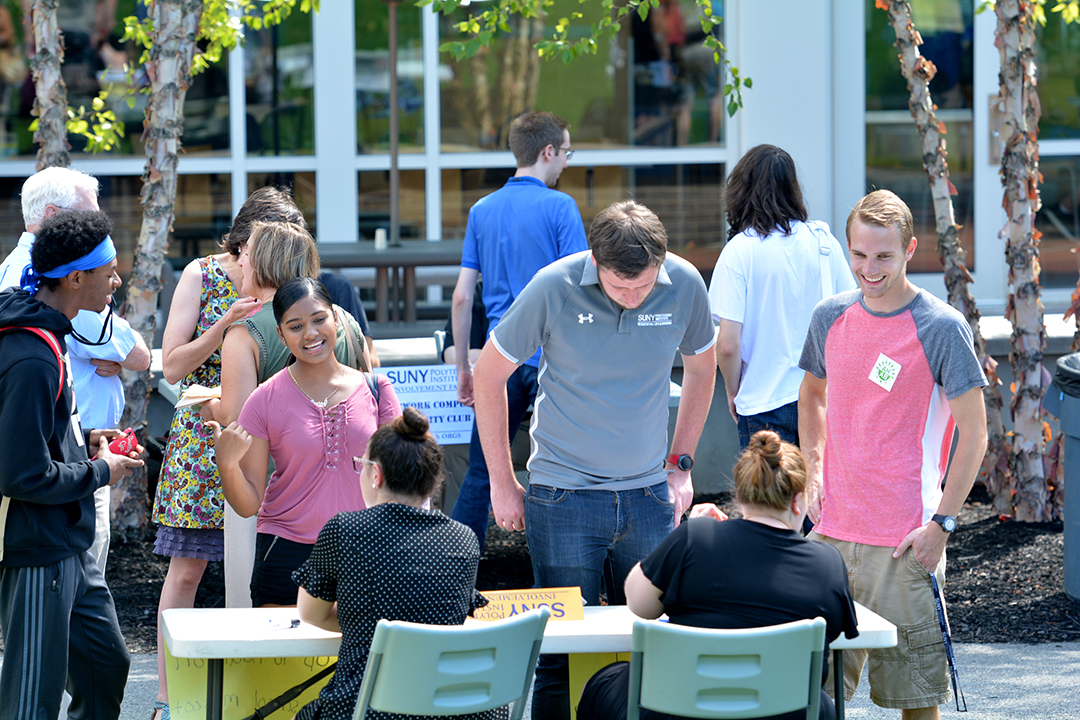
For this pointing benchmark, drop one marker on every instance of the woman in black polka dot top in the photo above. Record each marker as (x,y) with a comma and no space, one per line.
(393,560)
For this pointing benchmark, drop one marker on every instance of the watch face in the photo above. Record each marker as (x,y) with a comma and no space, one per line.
(947,522)
(686,462)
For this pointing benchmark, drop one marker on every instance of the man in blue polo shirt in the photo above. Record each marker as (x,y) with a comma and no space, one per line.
(511,234)
(605,485)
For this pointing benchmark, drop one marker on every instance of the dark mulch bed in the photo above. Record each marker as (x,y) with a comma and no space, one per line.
(1004,579)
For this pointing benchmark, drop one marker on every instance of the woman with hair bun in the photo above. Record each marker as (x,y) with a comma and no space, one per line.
(743,573)
(395,559)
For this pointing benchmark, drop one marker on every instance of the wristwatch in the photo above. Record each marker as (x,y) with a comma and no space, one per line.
(947,522)
(683,462)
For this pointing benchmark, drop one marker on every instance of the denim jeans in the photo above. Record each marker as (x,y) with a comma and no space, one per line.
(784,421)
(474,498)
(586,538)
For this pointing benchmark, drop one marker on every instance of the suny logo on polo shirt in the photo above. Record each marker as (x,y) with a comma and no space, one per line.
(653,319)
(885,372)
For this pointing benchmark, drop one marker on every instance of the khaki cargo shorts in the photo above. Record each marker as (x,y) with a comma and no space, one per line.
(915,673)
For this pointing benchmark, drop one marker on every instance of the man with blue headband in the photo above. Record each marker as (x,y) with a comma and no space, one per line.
(56,614)
(110,342)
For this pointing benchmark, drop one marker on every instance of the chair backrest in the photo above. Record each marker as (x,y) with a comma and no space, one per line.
(703,673)
(416,669)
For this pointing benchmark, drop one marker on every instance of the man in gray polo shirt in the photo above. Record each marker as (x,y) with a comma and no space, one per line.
(604,488)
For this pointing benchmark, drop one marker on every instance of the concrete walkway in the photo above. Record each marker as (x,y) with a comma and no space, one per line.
(1003,681)
(999,681)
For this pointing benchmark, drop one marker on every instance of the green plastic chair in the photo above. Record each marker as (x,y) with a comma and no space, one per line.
(434,670)
(704,673)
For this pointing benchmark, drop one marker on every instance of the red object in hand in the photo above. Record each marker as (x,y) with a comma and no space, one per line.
(124,444)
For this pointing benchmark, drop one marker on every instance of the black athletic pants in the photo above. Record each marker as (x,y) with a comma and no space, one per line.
(60,632)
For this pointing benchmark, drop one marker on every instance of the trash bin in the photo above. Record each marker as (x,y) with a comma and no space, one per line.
(1063,400)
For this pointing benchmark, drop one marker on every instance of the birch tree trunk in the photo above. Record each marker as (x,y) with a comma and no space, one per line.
(918,71)
(50,92)
(176,23)
(1018,107)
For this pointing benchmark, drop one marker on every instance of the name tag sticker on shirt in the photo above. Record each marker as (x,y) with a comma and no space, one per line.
(884,372)
(653,319)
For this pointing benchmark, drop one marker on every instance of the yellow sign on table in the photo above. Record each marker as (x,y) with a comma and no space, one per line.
(565,603)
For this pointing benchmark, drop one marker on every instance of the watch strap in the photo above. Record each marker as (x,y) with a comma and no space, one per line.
(677,459)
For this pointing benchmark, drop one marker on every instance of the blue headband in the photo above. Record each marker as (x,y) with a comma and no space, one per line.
(103,253)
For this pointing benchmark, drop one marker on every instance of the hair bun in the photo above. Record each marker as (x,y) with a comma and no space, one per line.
(766,445)
(414,423)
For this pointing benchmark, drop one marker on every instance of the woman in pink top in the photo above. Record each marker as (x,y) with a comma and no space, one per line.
(312,418)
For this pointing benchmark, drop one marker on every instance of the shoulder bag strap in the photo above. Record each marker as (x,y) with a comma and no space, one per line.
(357,348)
(373,386)
(824,261)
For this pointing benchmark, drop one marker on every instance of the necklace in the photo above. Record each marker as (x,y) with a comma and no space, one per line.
(324,401)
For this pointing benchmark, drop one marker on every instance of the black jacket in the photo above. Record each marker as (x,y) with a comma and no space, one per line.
(44,466)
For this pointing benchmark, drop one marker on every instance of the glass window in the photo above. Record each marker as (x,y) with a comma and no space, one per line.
(947,29)
(206,113)
(893,150)
(374,205)
(654,85)
(302,186)
(279,84)
(94,59)
(118,196)
(686,198)
(373,77)
(11,218)
(1059,78)
(203,213)
(1059,220)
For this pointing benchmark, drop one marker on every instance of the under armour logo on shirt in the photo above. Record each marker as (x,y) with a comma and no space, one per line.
(582,319)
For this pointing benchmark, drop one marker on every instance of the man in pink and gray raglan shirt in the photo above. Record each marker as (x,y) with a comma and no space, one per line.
(890,375)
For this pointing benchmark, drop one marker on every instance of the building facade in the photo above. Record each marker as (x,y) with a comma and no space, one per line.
(306,105)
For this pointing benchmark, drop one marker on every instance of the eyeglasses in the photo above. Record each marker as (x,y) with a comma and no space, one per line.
(568,151)
(358,463)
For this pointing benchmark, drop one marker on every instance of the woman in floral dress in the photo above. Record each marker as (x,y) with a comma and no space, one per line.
(189,505)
